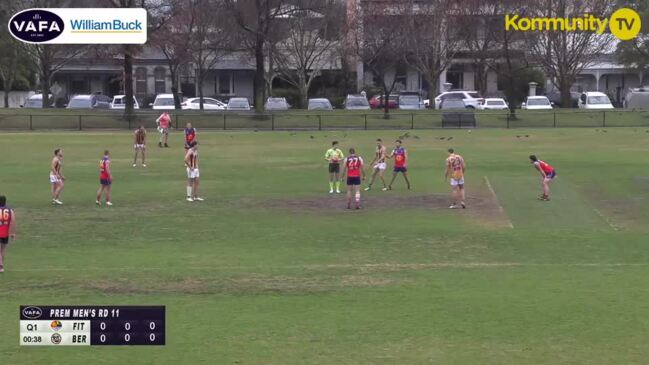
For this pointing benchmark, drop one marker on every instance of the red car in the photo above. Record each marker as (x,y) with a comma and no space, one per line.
(376,102)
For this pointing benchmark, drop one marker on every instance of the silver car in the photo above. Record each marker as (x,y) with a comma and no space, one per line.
(320,104)
(356,102)
(238,104)
(276,104)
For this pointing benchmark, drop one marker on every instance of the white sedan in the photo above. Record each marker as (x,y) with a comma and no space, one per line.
(208,104)
(493,104)
(537,103)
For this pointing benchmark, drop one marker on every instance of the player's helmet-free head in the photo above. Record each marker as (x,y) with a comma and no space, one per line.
(398,142)
(533,158)
(450,150)
(352,151)
(56,151)
(106,152)
(334,143)
(3,200)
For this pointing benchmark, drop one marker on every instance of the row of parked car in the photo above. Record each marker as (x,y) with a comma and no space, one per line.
(456,99)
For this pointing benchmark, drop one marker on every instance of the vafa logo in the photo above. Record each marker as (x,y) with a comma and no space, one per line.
(36,26)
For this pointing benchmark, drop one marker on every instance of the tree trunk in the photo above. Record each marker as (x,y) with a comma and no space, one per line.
(260,79)
(566,97)
(45,87)
(433,81)
(481,75)
(174,87)
(6,96)
(386,102)
(128,82)
(199,82)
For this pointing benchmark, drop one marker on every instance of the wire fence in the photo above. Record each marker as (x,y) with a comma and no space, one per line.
(429,119)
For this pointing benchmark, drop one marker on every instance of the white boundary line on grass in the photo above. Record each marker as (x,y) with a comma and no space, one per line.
(500,207)
(606,219)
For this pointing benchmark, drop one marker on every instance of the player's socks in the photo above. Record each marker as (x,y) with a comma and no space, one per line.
(331,187)
(189,191)
(358,198)
(338,187)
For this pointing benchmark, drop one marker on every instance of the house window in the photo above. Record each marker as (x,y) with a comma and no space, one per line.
(224,83)
(160,75)
(140,82)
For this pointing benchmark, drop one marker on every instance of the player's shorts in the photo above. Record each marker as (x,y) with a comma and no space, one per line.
(334,167)
(105,182)
(380,166)
(139,146)
(400,169)
(4,240)
(193,174)
(551,175)
(163,130)
(456,182)
(54,179)
(353,180)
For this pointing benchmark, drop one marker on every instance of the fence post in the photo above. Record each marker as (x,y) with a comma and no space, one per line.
(80,122)
(604,119)
(129,121)
(176,121)
(30,123)
(459,123)
(554,115)
(224,121)
(412,121)
(508,116)
(272,121)
(365,121)
(319,122)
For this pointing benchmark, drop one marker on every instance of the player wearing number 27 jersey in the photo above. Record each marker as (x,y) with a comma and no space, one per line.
(355,171)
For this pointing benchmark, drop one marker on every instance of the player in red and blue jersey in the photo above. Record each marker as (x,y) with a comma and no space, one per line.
(7,229)
(355,171)
(190,136)
(400,156)
(105,179)
(548,173)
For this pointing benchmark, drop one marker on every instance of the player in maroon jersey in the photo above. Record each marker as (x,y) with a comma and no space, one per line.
(105,179)
(7,229)
(190,136)
(139,145)
(354,169)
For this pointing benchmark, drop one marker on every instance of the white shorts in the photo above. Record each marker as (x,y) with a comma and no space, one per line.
(139,146)
(193,174)
(163,130)
(380,166)
(456,182)
(54,179)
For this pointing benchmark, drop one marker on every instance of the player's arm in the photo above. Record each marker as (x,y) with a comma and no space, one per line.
(538,167)
(342,177)
(327,156)
(144,137)
(447,171)
(405,156)
(108,170)
(53,168)
(12,225)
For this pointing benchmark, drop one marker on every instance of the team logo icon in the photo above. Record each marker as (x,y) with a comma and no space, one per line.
(56,325)
(56,339)
(32,312)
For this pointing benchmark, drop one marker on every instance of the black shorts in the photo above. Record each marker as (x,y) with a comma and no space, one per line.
(105,182)
(355,180)
(334,168)
(4,240)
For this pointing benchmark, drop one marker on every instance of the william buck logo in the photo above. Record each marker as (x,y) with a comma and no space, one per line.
(624,23)
(36,26)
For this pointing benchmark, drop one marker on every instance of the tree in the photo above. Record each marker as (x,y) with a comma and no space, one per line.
(257,19)
(209,37)
(379,45)
(432,37)
(172,35)
(309,45)
(564,54)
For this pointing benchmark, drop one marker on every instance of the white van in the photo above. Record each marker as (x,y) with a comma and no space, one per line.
(594,100)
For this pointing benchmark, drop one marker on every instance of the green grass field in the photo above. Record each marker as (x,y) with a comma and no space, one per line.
(270,269)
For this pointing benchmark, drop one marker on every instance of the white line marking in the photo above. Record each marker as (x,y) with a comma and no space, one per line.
(500,207)
(605,218)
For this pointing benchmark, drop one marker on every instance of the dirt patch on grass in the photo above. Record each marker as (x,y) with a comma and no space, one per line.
(242,285)
(482,207)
